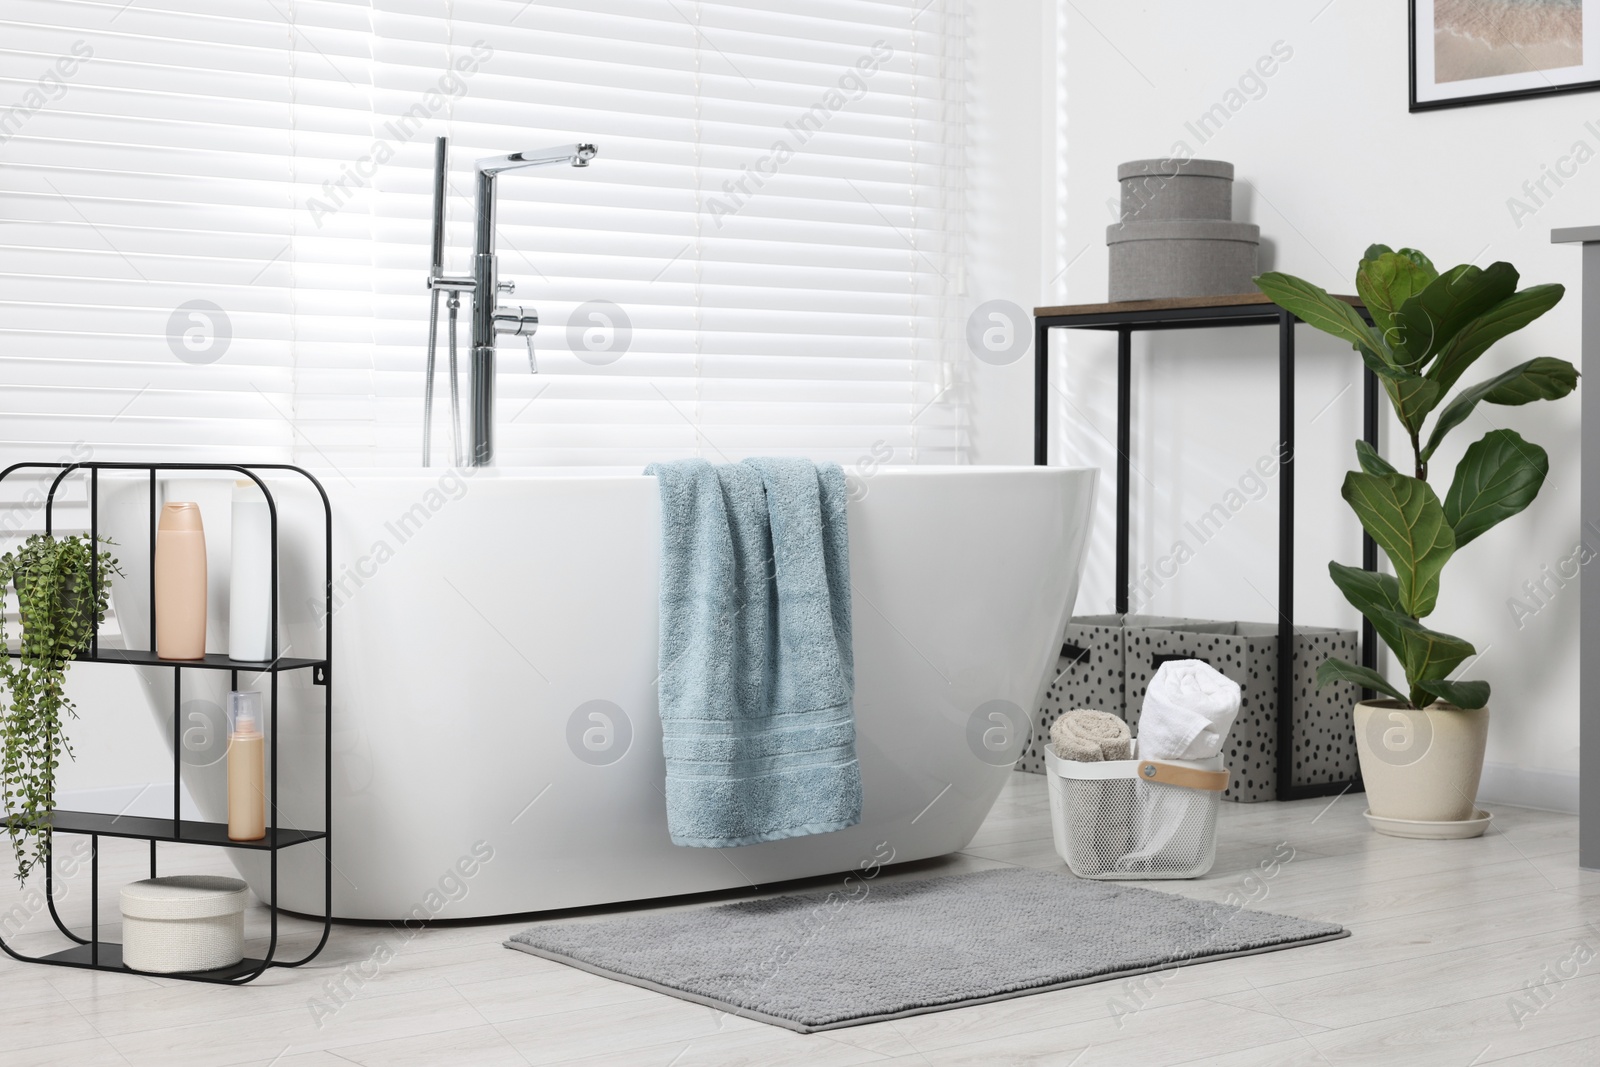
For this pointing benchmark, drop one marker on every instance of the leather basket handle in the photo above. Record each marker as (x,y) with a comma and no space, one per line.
(1186,777)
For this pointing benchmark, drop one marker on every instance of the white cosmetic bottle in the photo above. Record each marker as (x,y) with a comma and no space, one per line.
(250,575)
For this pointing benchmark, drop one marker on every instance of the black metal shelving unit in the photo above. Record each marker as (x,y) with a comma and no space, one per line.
(91,952)
(1254,309)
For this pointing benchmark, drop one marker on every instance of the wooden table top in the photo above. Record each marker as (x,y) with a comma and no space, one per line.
(1177,303)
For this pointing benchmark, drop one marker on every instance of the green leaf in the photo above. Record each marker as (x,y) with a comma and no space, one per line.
(1413,398)
(1427,322)
(1420,260)
(1427,654)
(1337,670)
(1543,378)
(1312,305)
(1407,521)
(1506,317)
(1374,595)
(1467,696)
(1374,251)
(1370,461)
(1382,367)
(1387,281)
(1499,476)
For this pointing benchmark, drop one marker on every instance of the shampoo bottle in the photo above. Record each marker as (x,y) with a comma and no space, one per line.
(250,575)
(180,583)
(247,768)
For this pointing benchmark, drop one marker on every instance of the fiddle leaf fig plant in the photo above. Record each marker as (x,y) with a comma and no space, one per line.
(58,611)
(1427,330)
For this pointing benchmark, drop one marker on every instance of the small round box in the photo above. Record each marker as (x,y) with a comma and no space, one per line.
(1181,257)
(190,922)
(1159,189)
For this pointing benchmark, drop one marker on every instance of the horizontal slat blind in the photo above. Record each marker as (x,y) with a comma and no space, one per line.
(776,209)
(144,230)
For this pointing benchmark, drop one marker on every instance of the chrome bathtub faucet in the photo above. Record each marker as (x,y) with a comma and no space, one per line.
(489,317)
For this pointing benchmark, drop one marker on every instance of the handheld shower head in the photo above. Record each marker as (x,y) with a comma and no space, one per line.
(577,155)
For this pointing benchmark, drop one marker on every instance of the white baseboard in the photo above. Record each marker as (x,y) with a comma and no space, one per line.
(149,801)
(1504,783)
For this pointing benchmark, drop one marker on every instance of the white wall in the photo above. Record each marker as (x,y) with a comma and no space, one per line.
(1328,160)
(1010,67)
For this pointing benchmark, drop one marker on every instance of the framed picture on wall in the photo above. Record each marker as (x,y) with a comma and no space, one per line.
(1484,51)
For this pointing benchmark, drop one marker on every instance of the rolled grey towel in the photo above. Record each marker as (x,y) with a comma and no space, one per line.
(1087,735)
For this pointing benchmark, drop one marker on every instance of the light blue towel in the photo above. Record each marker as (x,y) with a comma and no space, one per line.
(756,668)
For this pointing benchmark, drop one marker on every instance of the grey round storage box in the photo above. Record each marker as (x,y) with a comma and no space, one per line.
(1181,257)
(1157,189)
(187,922)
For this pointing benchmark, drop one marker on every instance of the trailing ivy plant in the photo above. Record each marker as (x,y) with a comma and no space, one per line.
(58,611)
(1427,330)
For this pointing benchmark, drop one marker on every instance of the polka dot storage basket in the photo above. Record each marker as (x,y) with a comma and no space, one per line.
(1247,652)
(1088,674)
(191,922)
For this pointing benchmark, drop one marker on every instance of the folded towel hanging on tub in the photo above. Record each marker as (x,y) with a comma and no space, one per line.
(757,673)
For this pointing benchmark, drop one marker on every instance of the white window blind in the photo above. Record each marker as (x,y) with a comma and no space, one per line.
(215,225)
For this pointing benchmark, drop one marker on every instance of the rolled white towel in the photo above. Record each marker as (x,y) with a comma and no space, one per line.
(1188,710)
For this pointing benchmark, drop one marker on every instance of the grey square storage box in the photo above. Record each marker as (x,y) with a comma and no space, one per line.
(1089,674)
(1247,652)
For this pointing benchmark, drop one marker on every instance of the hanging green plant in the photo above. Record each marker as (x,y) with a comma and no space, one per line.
(58,611)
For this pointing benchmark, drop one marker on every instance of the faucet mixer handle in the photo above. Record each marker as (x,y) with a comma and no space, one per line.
(519,322)
(515,320)
(506,287)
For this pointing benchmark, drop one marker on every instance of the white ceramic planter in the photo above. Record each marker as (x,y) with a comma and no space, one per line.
(1421,768)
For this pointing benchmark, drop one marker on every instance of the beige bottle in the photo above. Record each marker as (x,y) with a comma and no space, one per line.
(247,768)
(181,583)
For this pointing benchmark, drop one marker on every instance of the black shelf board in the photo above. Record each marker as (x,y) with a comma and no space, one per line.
(189,832)
(111,960)
(212,661)
(1176,314)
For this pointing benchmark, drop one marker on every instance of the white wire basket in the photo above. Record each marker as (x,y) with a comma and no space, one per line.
(1134,818)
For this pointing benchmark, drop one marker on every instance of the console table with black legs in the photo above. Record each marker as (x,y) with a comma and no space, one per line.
(1252,309)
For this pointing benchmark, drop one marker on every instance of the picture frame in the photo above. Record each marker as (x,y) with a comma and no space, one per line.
(1468,52)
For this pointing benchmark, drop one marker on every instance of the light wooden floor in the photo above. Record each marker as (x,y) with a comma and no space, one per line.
(1449,938)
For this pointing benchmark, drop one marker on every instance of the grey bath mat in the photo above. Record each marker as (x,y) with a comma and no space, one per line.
(870,951)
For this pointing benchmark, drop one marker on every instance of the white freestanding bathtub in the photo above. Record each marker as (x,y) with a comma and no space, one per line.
(496,744)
